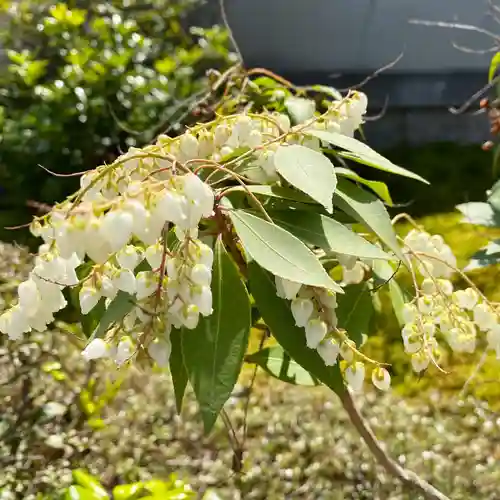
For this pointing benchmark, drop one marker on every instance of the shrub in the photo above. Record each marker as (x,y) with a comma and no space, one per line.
(86,79)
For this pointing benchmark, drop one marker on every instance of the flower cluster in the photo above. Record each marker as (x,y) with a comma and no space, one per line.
(434,257)
(131,233)
(121,225)
(438,311)
(314,309)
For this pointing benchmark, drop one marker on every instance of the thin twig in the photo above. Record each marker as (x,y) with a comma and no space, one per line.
(225,20)
(375,74)
(459,26)
(408,478)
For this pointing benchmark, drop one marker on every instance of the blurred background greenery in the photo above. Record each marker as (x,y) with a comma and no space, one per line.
(83,81)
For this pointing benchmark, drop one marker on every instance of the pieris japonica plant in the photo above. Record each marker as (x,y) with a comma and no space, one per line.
(175,251)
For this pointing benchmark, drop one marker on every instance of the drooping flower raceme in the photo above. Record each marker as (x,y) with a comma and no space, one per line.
(438,312)
(131,234)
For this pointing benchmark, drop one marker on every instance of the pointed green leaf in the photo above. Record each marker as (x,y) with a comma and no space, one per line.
(278,192)
(76,492)
(177,369)
(369,210)
(120,306)
(89,482)
(279,251)
(479,213)
(386,274)
(277,362)
(308,171)
(129,491)
(327,234)
(213,352)
(379,188)
(361,153)
(278,317)
(355,311)
(495,62)
(486,256)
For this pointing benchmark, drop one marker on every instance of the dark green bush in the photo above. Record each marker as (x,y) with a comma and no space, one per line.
(86,79)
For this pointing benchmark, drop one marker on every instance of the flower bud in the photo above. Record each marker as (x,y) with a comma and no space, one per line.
(355,376)
(96,349)
(302,310)
(316,331)
(89,298)
(329,351)
(381,378)
(286,289)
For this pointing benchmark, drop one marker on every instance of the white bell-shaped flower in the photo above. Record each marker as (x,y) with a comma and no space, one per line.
(129,257)
(189,147)
(484,317)
(355,376)
(190,316)
(146,284)
(201,275)
(154,255)
(221,134)
(125,281)
(96,349)
(328,298)
(89,297)
(172,207)
(14,323)
(160,350)
(346,351)
(381,378)
(409,313)
(302,310)
(493,339)
(124,351)
(108,287)
(116,228)
(29,297)
(329,351)
(355,275)
(466,299)
(316,330)
(202,299)
(420,361)
(286,289)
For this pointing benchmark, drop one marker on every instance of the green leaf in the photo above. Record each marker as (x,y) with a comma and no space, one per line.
(89,482)
(327,233)
(120,306)
(361,153)
(214,351)
(308,171)
(495,62)
(278,192)
(355,311)
(386,273)
(379,188)
(398,300)
(129,491)
(486,256)
(278,317)
(76,492)
(479,213)
(277,362)
(369,210)
(279,251)
(177,369)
